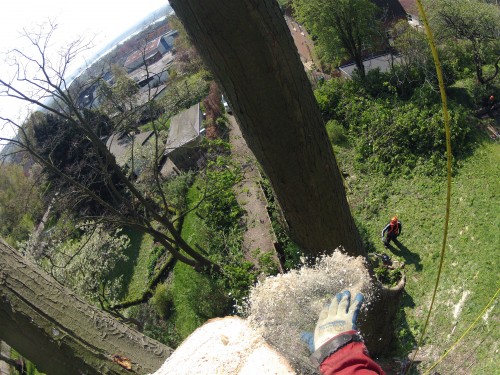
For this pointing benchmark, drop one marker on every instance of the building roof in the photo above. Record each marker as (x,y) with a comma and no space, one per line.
(184,127)
(119,145)
(143,53)
(382,62)
(410,6)
(142,138)
(392,8)
(150,49)
(155,69)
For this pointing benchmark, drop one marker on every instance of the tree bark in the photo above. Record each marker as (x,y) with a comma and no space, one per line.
(248,47)
(61,333)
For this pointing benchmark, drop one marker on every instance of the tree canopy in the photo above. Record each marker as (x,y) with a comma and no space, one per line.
(342,28)
(477,24)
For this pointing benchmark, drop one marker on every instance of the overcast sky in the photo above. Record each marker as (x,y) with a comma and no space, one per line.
(102,19)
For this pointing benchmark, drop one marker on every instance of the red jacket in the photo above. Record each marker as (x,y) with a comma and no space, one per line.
(352,359)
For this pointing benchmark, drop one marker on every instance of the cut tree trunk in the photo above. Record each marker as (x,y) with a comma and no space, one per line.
(248,47)
(61,333)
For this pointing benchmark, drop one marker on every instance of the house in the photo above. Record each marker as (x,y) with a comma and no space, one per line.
(154,74)
(392,11)
(383,62)
(151,52)
(184,136)
(120,146)
(412,14)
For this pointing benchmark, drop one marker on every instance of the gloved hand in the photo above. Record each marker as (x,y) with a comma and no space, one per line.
(338,317)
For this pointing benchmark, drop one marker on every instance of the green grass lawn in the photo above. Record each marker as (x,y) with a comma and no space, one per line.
(196,297)
(162,123)
(135,268)
(472,261)
(192,223)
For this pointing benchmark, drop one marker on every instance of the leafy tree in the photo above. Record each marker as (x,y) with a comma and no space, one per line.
(188,60)
(83,264)
(20,203)
(342,28)
(74,156)
(120,94)
(118,99)
(185,92)
(92,177)
(474,22)
(415,64)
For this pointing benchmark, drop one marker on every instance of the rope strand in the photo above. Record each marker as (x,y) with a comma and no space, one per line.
(446,117)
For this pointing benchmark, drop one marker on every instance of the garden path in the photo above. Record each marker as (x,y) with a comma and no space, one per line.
(251,198)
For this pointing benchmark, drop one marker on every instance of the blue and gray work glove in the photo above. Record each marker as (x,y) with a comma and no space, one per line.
(336,327)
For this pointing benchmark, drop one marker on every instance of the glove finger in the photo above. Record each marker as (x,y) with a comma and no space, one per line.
(355,308)
(308,338)
(332,311)
(344,303)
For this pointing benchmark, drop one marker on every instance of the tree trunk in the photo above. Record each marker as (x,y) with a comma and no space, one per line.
(62,334)
(248,46)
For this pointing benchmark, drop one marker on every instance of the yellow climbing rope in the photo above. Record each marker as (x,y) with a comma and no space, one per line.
(446,117)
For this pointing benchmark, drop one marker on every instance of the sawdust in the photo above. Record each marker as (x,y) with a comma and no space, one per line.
(283,307)
(459,306)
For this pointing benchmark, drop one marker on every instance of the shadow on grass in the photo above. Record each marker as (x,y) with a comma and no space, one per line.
(409,256)
(126,268)
(405,341)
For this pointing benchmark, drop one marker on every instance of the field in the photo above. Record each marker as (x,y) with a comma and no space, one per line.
(469,278)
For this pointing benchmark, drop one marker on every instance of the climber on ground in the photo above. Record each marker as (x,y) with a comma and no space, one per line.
(337,347)
(391,231)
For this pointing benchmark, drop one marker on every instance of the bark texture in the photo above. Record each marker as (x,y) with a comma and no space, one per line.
(248,47)
(61,333)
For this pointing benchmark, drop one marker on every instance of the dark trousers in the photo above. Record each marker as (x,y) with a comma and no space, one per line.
(389,237)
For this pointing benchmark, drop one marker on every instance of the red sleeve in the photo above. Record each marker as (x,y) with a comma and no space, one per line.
(352,359)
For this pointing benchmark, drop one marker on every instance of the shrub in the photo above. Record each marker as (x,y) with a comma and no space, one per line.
(392,138)
(162,300)
(176,187)
(478,93)
(240,278)
(387,276)
(267,262)
(336,132)
(220,207)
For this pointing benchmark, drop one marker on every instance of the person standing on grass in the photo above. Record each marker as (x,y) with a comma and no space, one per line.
(391,231)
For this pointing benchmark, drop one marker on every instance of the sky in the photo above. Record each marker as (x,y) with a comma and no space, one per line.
(102,20)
